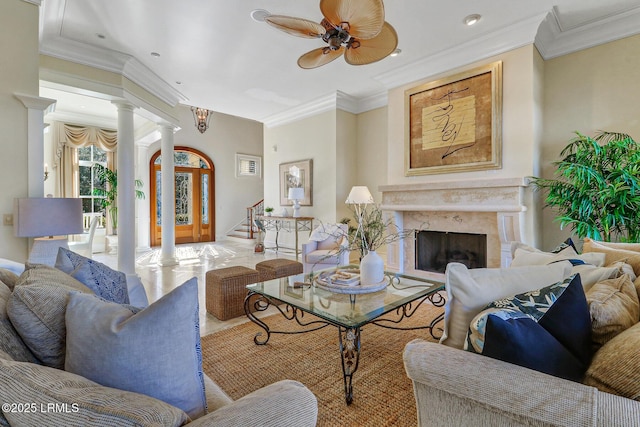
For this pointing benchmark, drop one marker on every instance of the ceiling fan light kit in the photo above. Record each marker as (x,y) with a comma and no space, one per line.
(353,28)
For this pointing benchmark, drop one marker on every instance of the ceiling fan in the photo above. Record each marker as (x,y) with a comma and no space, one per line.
(355,28)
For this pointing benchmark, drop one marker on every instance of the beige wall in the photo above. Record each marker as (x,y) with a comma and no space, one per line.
(371,162)
(518,124)
(329,139)
(594,89)
(19,72)
(227,136)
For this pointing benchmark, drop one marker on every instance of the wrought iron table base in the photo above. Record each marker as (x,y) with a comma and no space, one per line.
(349,337)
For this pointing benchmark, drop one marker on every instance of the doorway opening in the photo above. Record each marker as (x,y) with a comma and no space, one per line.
(194,197)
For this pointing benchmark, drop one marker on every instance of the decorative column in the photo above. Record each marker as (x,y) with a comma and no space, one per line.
(168,195)
(36,107)
(126,189)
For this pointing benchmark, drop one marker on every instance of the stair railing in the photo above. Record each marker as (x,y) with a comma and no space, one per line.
(252,213)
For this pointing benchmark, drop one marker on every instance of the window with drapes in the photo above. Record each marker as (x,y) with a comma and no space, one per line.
(77,149)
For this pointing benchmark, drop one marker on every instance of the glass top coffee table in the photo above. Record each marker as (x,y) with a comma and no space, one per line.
(348,310)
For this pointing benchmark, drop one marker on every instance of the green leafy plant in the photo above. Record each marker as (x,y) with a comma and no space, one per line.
(108,181)
(268,209)
(597,190)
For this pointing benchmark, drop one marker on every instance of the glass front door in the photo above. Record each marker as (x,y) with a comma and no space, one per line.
(193,201)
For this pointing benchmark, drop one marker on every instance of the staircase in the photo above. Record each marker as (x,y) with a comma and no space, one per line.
(246,229)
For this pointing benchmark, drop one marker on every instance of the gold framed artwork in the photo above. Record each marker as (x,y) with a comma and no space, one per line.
(296,174)
(455,124)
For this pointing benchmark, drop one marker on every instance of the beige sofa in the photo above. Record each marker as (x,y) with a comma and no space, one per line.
(33,394)
(456,387)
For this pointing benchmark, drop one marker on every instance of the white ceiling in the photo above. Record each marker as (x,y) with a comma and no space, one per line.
(213,55)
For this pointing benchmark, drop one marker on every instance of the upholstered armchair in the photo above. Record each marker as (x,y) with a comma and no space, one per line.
(328,246)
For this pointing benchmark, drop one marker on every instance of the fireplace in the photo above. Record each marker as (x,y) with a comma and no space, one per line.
(494,208)
(435,249)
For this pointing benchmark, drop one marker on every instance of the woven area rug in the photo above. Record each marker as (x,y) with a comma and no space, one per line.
(383,395)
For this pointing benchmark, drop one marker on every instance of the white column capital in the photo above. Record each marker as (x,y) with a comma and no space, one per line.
(124,105)
(35,102)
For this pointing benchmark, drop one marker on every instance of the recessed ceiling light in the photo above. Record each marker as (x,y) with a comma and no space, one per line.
(101,36)
(155,54)
(396,52)
(258,15)
(472,19)
(178,82)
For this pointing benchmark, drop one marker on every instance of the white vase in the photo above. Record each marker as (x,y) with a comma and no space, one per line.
(371,269)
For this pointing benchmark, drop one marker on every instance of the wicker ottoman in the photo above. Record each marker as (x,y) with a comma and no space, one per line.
(226,289)
(278,267)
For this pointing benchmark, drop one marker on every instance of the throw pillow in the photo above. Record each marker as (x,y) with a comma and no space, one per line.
(567,243)
(614,307)
(526,255)
(155,351)
(36,310)
(615,368)
(470,290)
(10,341)
(547,330)
(79,400)
(37,313)
(613,254)
(40,274)
(9,278)
(590,274)
(102,280)
(635,247)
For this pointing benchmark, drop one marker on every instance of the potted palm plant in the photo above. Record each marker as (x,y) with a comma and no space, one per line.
(108,180)
(597,187)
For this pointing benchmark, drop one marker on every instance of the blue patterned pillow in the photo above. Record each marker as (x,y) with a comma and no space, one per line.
(548,330)
(103,281)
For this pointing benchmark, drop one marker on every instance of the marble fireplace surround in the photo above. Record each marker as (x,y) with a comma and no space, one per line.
(495,207)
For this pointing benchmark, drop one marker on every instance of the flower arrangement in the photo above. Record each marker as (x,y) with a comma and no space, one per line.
(372,230)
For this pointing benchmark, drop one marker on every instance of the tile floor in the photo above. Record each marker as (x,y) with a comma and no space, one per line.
(194,260)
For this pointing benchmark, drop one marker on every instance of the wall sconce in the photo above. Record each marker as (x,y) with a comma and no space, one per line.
(46,171)
(201,117)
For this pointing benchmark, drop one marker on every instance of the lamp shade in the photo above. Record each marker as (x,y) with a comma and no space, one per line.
(359,195)
(47,216)
(296,193)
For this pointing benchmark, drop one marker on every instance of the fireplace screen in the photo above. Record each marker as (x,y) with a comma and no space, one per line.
(435,249)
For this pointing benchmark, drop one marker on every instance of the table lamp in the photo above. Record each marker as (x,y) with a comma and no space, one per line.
(296,194)
(360,196)
(44,218)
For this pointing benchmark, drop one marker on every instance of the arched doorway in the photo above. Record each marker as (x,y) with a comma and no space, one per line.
(194,186)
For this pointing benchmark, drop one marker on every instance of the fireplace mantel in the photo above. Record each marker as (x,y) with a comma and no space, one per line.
(496,207)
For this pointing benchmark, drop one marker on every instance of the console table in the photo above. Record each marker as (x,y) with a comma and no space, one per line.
(287,223)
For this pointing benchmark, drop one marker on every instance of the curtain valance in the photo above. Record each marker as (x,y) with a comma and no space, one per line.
(81,136)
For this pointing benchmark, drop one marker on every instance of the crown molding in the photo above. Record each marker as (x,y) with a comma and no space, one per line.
(317,106)
(82,119)
(36,2)
(112,61)
(512,37)
(552,41)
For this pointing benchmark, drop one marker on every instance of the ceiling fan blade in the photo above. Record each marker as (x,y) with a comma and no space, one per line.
(296,26)
(365,17)
(319,57)
(374,49)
